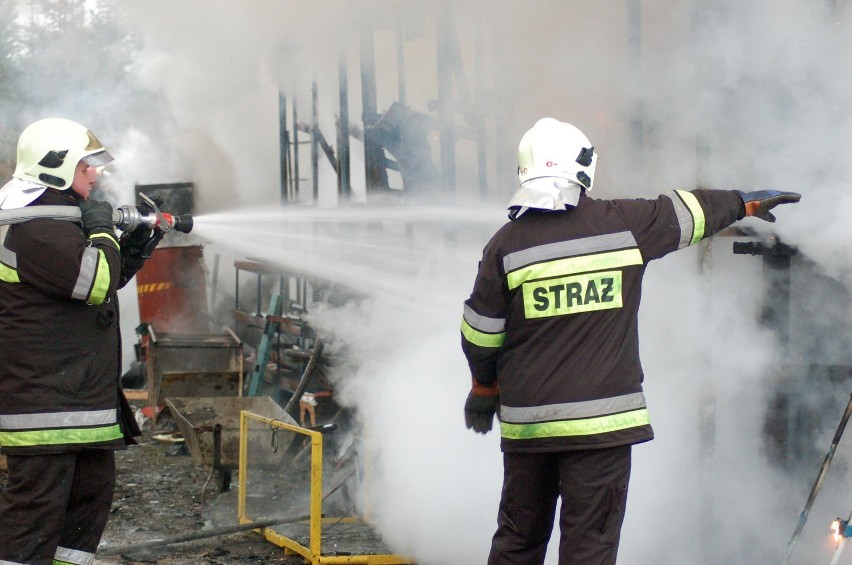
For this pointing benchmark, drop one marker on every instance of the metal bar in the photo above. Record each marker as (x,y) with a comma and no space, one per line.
(314,141)
(343,169)
(242,466)
(364,560)
(304,282)
(818,483)
(259,296)
(375,175)
(295,152)
(306,376)
(313,553)
(237,290)
(326,148)
(283,144)
(316,494)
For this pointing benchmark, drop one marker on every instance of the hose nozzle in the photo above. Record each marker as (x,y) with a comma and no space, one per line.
(128,218)
(182,223)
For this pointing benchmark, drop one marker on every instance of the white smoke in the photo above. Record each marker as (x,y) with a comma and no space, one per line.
(731,94)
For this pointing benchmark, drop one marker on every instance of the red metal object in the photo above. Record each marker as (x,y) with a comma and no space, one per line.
(172,290)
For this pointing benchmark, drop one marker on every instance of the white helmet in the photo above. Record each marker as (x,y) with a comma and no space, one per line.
(49,150)
(556,149)
(556,163)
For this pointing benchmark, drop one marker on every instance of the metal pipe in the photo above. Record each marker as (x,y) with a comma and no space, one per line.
(315,133)
(283,147)
(306,376)
(818,483)
(343,163)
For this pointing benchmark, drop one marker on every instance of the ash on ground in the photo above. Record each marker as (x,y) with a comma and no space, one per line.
(161,493)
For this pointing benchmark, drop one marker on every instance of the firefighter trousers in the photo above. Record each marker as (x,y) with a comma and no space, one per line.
(55,506)
(592,486)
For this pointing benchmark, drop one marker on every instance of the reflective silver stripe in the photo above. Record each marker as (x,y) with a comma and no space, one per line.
(75,556)
(684,219)
(88,270)
(8,257)
(572,410)
(483,323)
(594,244)
(10,563)
(57,420)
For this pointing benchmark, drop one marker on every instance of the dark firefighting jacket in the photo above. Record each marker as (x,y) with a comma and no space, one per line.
(553,316)
(59,336)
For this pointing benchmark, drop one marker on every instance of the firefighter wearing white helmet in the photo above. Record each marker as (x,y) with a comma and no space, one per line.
(49,149)
(556,163)
(550,332)
(48,154)
(62,413)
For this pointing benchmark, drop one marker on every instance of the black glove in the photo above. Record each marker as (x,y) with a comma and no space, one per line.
(479,411)
(135,250)
(759,203)
(140,243)
(96,216)
(131,261)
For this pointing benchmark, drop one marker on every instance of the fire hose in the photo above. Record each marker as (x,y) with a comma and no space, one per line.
(127,218)
(205,533)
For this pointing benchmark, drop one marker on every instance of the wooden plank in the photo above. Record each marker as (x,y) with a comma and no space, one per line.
(136,394)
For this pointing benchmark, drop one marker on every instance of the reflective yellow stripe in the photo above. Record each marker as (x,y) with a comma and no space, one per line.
(109,237)
(571,265)
(102,278)
(584,427)
(698,220)
(572,295)
(480,338)
(66,436)
(9,274)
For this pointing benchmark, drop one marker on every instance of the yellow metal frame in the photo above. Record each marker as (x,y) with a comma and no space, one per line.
(313,553)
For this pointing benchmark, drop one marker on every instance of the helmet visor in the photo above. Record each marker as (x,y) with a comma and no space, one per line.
(98,159)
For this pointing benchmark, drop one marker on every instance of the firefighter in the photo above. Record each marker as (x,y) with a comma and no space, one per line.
(62,412)
(550,333)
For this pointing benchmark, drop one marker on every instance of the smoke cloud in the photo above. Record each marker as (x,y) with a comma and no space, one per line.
(722,95)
